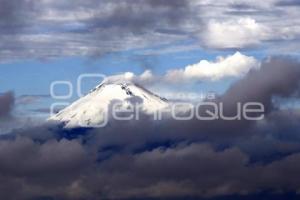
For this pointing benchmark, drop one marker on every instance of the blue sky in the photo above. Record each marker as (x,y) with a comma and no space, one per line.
(35,76)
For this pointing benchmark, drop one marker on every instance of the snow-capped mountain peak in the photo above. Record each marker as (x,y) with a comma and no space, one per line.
(93,108)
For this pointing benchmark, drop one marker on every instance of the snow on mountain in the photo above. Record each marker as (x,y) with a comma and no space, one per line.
(93,109)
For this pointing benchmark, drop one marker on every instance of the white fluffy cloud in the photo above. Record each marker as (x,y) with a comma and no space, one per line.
(238,33)
(236,65)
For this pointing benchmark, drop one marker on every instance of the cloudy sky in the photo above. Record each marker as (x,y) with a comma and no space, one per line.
(240,50)
(48,40)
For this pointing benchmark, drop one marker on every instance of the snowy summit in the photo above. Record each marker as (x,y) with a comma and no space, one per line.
(91,109)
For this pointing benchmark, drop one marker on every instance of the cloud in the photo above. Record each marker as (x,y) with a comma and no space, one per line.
(29,99)
(14,15)
(163,173)
(278,76)
(288,3)
(234,34)
(97,28)
(235,65)
(6,104)
(195,170)
(61,170)
(44,167)
(37,156)
(50,29)
(9,118)
(145,77)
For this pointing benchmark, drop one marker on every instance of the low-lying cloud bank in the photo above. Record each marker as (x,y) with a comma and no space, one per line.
(166,159)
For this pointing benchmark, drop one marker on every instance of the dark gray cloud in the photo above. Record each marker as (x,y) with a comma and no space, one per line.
(6,103)
(277,77)
(15,16)
(250,9)
(133,20)
(139,16)
(96,27)
(288,3)
(192,170)
(62,170)
(44,167)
